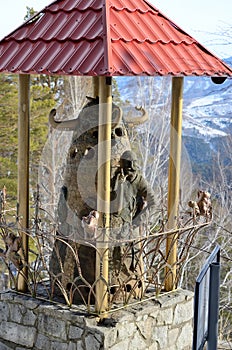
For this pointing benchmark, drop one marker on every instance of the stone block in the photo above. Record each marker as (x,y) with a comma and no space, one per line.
(110,337)
(4,311)
(18,334)
(172,298)
(75,333)
(92,343)
(124,315)
(145,328)
(80,345)
(98,335)
(137,343)
(8,295)
(185,337)
(29,302)
(160,336)
(140,316)
(73,316)
(122,345)
(29,318)
(57,345)
(183,312)
(49,309)
(4,346)
(91,322)
(16,312)
(153,346)
(172,337)
(42,342)
(163,316)
(26,300)
(51,326)
(72,346)
(145,308)
(125,329)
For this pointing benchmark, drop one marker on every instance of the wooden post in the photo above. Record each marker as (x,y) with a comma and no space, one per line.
(174,180)
(23,173)
(103,190)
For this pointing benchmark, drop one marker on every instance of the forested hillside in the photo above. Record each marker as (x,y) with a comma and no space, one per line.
(42,100)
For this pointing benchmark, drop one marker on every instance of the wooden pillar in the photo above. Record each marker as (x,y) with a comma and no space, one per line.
(174,180)
(23,173)
(103,191)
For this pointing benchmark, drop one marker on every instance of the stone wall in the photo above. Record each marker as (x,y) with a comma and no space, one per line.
(158,324)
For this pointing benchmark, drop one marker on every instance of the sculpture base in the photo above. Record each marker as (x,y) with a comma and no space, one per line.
(163,323)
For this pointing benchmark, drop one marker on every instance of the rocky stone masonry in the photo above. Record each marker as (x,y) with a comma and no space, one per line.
(164,323)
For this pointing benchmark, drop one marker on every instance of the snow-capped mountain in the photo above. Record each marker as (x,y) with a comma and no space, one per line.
(207,108)
(207,113)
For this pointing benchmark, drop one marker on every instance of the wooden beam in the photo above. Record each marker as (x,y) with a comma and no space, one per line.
(174,180)
(23,174)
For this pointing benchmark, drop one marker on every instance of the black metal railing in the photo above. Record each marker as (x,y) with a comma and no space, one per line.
(206,303)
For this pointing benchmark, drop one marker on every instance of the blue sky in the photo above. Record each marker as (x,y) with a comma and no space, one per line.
(199,18)
(205,20)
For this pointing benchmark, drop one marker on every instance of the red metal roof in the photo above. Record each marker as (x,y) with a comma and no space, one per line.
(105,37)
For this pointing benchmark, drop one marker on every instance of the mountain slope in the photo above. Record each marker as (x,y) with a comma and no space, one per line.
(207,112)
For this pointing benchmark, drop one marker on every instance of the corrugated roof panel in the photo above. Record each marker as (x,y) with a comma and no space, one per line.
(124,49)
(163,61)
(75,61)
(132,30)
(91,55)
(94,62)
(154,28)
(17,60)
(131,6)
(105,37)
(62,26)
(45,54)
(10,51)
(62,59)
(73,26)
(69,5)
(32,59)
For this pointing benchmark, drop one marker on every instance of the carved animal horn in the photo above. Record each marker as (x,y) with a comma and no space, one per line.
(116,117)
(72,123)
(66,124)
(131,121)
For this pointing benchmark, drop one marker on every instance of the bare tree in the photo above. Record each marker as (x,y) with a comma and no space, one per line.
(218,232)
(151,140)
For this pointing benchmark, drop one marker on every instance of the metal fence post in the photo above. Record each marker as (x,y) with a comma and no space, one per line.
(206,303)
(213,306)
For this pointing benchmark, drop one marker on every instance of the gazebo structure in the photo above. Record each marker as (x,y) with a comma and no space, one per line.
(102,39)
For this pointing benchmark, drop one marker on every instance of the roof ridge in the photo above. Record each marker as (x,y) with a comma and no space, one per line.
(107,38)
